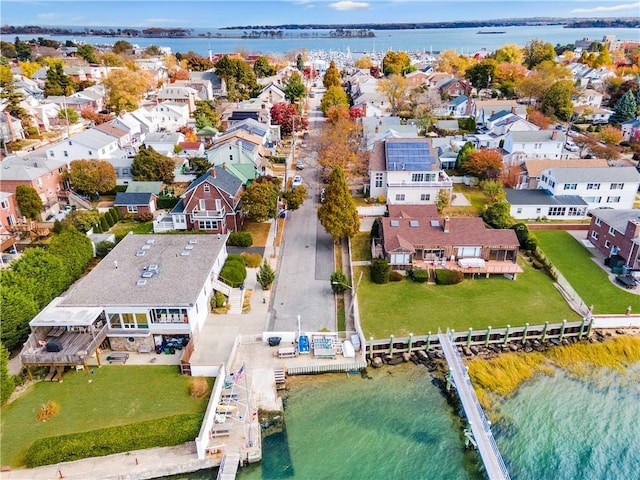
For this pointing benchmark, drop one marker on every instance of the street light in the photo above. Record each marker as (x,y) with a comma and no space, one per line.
(354,290)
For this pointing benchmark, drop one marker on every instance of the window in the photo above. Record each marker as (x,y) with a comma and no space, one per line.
(207,189)
(519,210)
(39,182)
(612,231)
(607,244)
(593,186)
(11,220)
(132,209)
(552,184)
(592,199)
(379,177)
(417,177)
(425,197)
(399,197)
(557,211)
(207,225)
(5,205)
(598,222)
(231,158)
(543,178)
(65,153)
(613,199)
(570,186)
(538,210)
(617,186)
(595,235)
(575,212)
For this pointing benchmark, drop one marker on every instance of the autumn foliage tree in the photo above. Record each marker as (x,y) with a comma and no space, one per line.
(125,88)
(339,143)
(537,118)
(97,118)
(92,176)
(485,164)
(332,77)
(283,114)
(334,96)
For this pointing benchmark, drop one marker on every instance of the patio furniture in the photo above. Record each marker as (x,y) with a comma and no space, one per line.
(118,357)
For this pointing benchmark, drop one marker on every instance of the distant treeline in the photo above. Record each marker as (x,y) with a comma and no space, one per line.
(101,32)
(629,22)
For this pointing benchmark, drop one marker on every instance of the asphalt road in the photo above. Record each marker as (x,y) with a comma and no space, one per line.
(304,271)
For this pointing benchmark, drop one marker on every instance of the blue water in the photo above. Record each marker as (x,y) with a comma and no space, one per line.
(463,40)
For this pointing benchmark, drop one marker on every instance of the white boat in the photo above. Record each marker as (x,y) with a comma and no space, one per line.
(347,349)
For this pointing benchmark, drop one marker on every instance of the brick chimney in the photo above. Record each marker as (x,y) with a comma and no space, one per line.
(446,224)
(514,110)
(213,171)
(633,229)
(554,135)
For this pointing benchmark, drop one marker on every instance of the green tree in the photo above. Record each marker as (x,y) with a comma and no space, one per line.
(334,97)
(18,309)
(7,383)
(23,50)
(151,166)
(69,114)
(122,46)
(265,276)
(338,214)
(293,87)
(332,77)
(463,155)
(200,165)
(397,63)
(88,53)
(444,200)
(510,53)
(12,98)
(75,250)
(239,77)
(40,275)
(625,109)
(497,214)
(259,200)
(300,62)
(206,115)
(295,198)
(153,51)
(339,282)
(481,74)
(82,220)
(557,100)
(92,176)
(57,82)
(29,202)
(380,271)
(537,51)
(262,68)
(493,190)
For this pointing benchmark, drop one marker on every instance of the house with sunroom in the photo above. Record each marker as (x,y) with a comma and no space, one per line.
(538,204)
(159,288)
(407,171)
(603,187)
(617,232)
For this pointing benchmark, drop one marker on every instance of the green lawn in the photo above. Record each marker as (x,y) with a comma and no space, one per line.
(400,308)
(361,246)
(117,396)
(122,228)
(590,281)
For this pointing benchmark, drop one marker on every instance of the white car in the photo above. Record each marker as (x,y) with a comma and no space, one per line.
(297,181)
(572,147)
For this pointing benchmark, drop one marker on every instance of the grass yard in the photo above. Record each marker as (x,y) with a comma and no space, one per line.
(122,228)
(258,230)
(404,307)
(590,281)
(474,195)
(361,246)
(116,396)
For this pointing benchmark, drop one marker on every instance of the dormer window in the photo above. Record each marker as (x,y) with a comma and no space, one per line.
(207,189)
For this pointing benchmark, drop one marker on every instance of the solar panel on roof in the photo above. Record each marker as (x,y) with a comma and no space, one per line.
(409,156)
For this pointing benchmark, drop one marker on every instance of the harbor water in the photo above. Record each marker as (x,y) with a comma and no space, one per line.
(395,423)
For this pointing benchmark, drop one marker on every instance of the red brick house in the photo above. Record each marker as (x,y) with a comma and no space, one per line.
(413,236)
(8,216)
(211,203)
(135,203)
(616,232)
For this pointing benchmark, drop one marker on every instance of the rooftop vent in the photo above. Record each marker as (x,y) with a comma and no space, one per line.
(151,241)
(140,253)
(141,281)
(153,267)
(185,253)
(193,241)
(147,274)
(435,223)
(414,223)
(145,247)
(188,247)
(395,223)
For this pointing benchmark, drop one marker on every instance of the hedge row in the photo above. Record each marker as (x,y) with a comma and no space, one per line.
(167,203)
(162,432)
(419,276)
(240,239)
(448,277)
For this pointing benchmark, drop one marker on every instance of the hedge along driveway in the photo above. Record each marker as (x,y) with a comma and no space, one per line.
(404,307)
(118,395)
(591,282)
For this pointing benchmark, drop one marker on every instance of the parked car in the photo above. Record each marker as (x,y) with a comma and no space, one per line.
(572,147)
(322,195)
(297,181)
(299,165)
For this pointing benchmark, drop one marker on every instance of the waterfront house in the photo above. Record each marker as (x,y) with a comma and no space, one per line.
(617,232)
(159,288)
(539,204)
(415,237)
(407,171)
(530,172)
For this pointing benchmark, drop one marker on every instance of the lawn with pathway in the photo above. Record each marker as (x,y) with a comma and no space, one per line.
(404,307)
(117,395)
(591,282)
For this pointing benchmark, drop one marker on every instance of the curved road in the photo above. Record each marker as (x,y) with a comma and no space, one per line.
(306,263)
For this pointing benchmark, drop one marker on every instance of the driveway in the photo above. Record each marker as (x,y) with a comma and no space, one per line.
(306,263)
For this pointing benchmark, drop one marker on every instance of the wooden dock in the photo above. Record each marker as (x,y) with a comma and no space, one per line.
(482,436)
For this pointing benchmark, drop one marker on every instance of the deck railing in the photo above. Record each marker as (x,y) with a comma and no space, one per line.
(83,344)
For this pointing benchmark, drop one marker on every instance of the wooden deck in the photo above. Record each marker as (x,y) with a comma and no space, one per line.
(491,267)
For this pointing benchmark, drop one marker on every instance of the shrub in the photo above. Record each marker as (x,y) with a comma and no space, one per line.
(376,228)
(198,387)
(240,239)
(381,199)
(57,226)
(167,203)
(144,217)
(380,271)
(104,225)
(265,276)
(339,282)
(419,276)
(219,300)
(115,211)
(236,257)
(97,228)
(104,247)
(234,272)
(531,243)
(110,220)
(395,276)
(448,277)
(252,260)
(47,411)
(160,432)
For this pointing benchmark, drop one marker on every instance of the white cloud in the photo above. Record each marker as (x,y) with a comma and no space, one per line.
(348,5)
(613,8)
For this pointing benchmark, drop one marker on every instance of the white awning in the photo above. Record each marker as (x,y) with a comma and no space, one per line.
(55,316)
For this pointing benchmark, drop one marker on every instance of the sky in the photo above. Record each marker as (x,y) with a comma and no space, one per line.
(219,13)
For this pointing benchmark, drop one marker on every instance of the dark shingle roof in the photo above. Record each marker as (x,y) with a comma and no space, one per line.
(132,198)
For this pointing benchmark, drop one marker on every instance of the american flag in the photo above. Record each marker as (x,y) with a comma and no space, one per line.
(239,374)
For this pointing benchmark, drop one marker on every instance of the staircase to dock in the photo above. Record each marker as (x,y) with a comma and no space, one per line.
(229,466)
